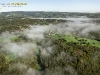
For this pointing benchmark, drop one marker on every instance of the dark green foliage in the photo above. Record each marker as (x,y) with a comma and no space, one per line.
(75,55)
(20,24)
(33,14)
(4,65)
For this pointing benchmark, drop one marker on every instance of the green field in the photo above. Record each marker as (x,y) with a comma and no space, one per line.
(82,41)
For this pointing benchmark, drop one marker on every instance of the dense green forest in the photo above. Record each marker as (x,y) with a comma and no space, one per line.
(81,58)
(18,23)
(40,47)
(42,14)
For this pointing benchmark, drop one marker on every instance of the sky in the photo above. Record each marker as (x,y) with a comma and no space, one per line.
(53,5)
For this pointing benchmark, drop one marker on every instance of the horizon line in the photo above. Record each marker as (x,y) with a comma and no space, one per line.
(51,11)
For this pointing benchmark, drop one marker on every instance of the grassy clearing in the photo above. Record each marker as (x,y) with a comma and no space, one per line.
(1,39)
(94,43)
(14,39)
(11,56)
(82,41)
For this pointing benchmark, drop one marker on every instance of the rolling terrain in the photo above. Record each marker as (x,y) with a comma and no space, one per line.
(49,46)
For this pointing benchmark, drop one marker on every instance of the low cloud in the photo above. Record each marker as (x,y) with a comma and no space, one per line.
(37,41)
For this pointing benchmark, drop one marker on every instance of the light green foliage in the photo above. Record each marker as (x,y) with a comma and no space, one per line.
(11,56)
(14,39)
(82,41)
